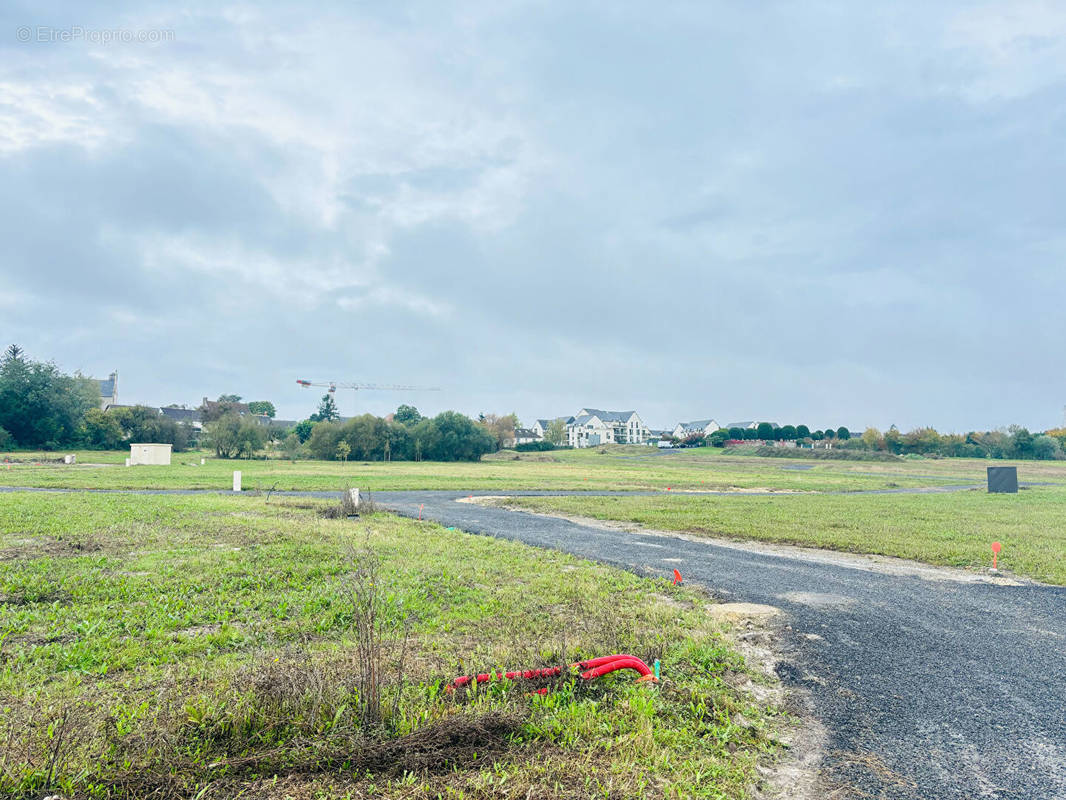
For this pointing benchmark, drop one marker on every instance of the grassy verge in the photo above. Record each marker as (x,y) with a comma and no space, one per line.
(946,529)
(215,646)
(617,468)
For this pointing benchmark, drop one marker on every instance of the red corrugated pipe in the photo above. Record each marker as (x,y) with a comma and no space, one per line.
(589,670)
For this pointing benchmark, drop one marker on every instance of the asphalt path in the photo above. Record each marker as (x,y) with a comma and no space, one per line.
(929,688)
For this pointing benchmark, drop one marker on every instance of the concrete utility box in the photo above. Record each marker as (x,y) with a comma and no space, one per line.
(1003,480)
(154,454)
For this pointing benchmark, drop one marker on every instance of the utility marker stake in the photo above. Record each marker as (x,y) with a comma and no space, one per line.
(677,577)
(996,547)
(236,480)
(420,507)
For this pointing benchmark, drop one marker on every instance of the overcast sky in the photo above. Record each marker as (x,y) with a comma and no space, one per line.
(821,212)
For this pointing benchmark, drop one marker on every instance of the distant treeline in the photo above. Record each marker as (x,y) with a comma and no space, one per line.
(1015,442)
(767,432)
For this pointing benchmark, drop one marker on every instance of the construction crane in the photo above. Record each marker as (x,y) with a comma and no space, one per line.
(333,386)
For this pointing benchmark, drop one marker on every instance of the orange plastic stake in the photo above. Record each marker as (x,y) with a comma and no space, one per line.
(420,507)
(996,547)
(677,577)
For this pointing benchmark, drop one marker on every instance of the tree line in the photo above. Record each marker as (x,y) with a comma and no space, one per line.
(768,432)
(1014,442)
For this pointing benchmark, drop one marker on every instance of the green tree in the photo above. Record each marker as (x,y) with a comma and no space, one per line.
(407,415)
(872,438)
(556,432)
(144,424)
(263,407)
(457,438)
(1021,441)
(718,438)
(39,405)
(343,449)
(803,432)
(233,436)
(1046,447)
(736,433)
(830,433)
(765,431)
(229,398)
(291,446)
(327,410)
(843,433)
(302,429)
(893,440)
(787,433)
(100,430)
(322,444)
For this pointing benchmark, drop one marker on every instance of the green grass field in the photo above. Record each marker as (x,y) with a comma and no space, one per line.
(614,468)
(207,647)
(954,529)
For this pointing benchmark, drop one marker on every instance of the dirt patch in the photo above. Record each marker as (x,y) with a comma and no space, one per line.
(739,612)
(27,597)
(753,631)
(31,548)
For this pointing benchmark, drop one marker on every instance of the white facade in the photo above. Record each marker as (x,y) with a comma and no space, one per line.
(592,427)
(147,453)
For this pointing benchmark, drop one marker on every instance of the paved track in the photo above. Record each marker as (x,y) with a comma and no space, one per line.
(931,689)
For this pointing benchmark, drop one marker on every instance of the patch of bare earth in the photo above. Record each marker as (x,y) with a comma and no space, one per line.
(753,630)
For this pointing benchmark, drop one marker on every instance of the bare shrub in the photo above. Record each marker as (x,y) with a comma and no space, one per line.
(374,620)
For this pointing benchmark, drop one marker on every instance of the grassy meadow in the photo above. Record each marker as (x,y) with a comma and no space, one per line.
(218,646)
(955,529)
(608,468)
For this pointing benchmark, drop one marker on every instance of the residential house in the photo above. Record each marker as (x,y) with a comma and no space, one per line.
(593,426)
(183,416)
(743,425)
(700,427)
(525,436)
(540,427)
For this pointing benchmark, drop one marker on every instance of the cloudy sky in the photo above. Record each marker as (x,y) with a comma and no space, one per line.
(820,212)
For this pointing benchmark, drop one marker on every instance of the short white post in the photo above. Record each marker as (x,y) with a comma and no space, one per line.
(127,462)
(353,495)
(236,480)
(203,461)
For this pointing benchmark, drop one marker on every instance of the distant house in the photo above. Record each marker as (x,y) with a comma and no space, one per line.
(540,427)
(699,427)
(183,416)
(525,436)
(108,391)
(592,427)
(744,425)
